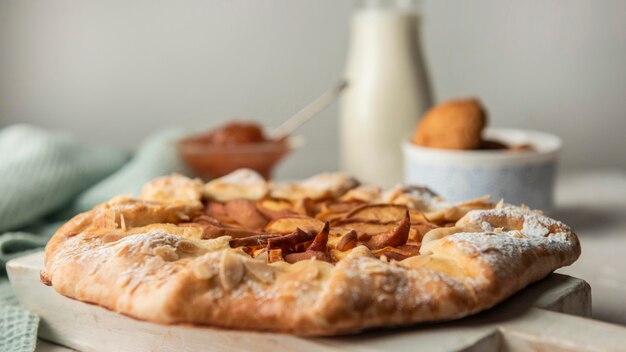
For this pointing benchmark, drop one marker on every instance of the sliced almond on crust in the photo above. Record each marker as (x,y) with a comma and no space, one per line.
(360,251)
(231,270)
(260,270)
(187,247)
(309,272)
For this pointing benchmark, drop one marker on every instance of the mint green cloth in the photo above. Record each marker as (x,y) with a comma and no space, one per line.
(18,327)
(45,178)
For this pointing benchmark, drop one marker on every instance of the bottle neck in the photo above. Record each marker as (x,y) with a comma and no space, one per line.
(392,28)
(404,5)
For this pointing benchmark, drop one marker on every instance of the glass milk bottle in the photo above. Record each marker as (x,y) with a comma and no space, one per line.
(388,90)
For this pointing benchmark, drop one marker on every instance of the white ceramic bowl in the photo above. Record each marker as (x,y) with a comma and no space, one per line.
(525,177)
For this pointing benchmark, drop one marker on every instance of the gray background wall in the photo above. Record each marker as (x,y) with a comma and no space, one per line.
(114,71)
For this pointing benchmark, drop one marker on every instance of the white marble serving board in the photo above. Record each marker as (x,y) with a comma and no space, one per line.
(548,315)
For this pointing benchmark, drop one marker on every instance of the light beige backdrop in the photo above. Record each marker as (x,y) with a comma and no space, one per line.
(113,71)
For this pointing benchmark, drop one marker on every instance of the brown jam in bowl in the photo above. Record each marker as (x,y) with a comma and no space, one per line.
(230,147)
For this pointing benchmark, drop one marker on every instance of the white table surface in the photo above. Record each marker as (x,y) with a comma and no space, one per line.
(594,205)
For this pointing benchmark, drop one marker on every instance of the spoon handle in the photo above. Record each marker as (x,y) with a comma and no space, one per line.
(312,109)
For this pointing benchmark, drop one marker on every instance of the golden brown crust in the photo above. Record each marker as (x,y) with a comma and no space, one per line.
(131,256)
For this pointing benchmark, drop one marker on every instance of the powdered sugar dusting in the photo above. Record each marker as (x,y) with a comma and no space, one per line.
(505,250)
(534,223)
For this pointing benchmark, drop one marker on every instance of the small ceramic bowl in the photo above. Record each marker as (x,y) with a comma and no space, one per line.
(213,161)
(520,177)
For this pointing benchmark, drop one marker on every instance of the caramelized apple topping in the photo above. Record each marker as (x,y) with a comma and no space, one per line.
(320,240)
(347,241)
(275,255)
(245,213)
(276,228)
(400,253)
(306,207)
(317,249)
(285,243)
(274,209)
(397,237)
(216,210)
(252,241)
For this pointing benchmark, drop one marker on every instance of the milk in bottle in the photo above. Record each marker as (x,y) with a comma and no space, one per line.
(387,92)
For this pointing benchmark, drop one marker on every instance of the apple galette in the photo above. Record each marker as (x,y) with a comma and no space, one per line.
(323,256)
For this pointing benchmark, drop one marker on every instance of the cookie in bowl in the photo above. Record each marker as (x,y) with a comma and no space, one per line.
(455,154)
